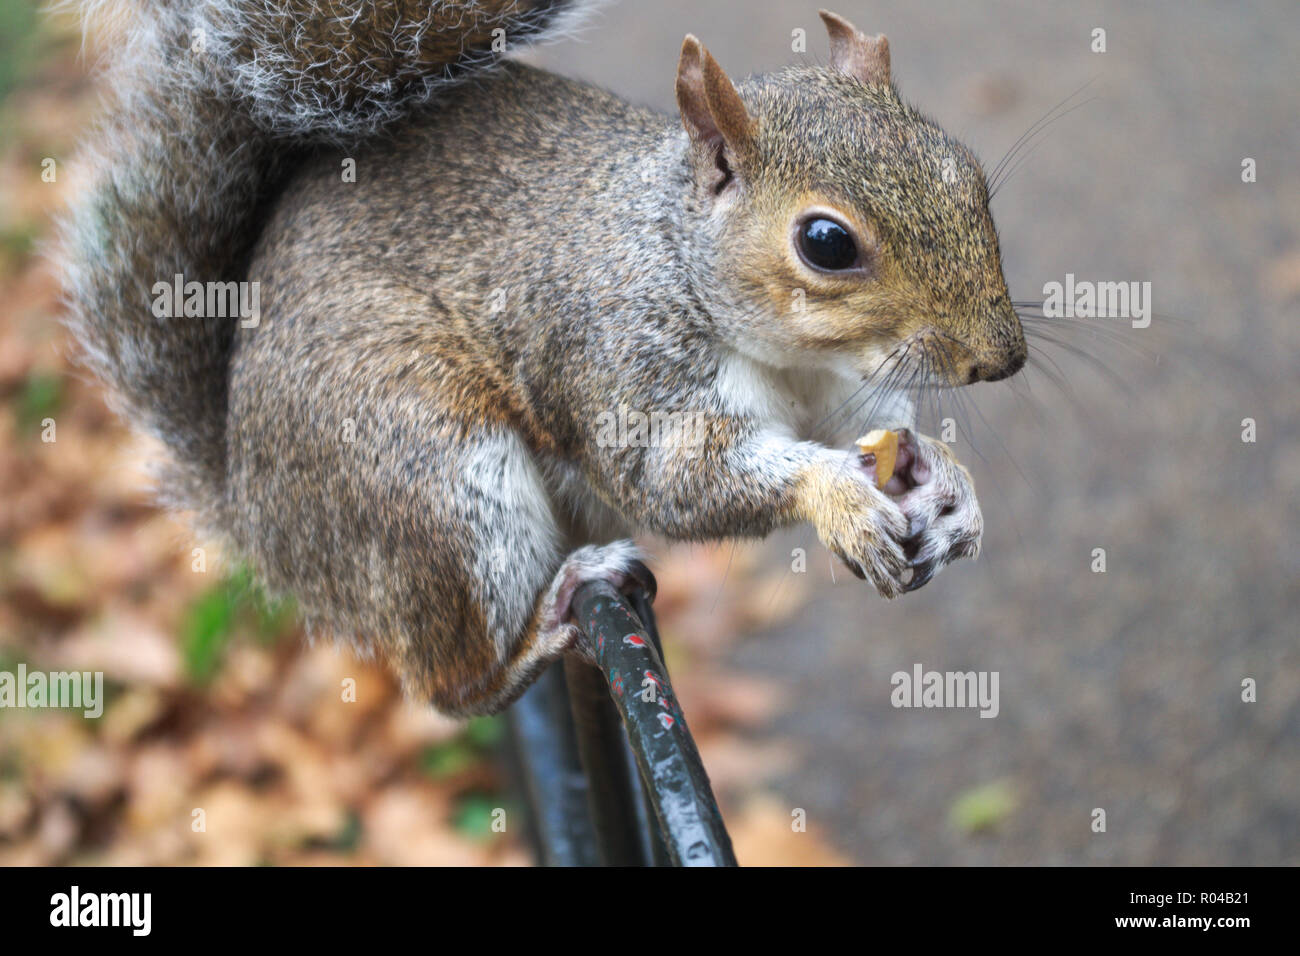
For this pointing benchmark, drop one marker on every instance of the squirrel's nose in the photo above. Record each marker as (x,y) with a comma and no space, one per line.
(996,373)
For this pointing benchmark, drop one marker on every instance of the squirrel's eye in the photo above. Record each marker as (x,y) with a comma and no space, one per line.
(825,244)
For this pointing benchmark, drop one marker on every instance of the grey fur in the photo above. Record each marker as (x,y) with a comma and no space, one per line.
(194,146)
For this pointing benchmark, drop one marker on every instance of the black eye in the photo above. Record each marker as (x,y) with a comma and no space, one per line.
(826,244)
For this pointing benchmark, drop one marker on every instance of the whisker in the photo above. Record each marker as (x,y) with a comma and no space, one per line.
(1022,389)
(889,386)
(1091,360)
(961,415)
(1011,171)
(1053,374)
(865,383)
(1037,304)
(1045,120)
(1029,132)
(1036,324)
(1052,330)
(1006,452)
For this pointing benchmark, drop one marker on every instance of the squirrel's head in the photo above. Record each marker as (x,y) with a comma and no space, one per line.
(841,224)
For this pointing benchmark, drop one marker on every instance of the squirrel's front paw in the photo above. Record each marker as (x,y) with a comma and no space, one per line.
(937,495)
(862,526)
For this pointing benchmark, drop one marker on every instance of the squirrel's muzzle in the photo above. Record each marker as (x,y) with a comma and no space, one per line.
(996,372)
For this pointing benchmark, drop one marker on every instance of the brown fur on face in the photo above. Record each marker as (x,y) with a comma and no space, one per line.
(915,199)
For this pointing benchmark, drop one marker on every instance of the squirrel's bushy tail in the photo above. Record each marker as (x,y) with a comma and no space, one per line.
(213,100)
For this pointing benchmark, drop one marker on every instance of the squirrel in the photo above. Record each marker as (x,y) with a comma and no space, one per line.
(412,435)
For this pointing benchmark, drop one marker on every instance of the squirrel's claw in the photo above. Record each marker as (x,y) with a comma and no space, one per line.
(643,578)
(851,565)
(921,575)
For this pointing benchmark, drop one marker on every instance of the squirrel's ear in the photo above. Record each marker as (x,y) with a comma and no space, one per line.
(712,111)
(855,53)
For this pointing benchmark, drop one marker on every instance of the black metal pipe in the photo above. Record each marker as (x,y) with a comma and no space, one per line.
(675,782)
(610,777)
(656,850)
(546,754)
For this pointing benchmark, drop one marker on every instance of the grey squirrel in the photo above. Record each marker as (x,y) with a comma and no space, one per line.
(413,437)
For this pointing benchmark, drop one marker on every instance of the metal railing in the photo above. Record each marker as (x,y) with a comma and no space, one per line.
(610,771)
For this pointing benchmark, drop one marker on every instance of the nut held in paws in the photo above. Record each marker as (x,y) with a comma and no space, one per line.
(883,445)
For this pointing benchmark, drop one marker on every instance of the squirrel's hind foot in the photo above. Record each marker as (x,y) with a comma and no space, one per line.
(619,563)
